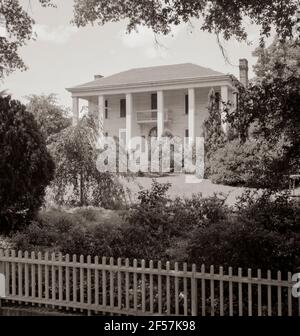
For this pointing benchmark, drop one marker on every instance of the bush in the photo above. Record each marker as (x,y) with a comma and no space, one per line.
(85,231)
(26,167)
(264,232)
(157,223)
(261,231)
(253,164)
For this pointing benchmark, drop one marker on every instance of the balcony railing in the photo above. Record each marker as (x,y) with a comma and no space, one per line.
(149,116)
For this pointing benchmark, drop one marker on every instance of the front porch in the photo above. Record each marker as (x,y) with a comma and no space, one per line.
(181,111)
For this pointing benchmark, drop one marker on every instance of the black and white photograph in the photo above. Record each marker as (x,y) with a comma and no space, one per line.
(150,161)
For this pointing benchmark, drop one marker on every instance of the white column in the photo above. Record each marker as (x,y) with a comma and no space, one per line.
(224,98)
(129,118)
(160,114)
(192,116)
(101,111)
(75,110)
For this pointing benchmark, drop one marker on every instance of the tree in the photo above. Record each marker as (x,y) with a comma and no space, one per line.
(77,180)
(51,117)
(26,167)
(19,27)
(284,53)
(221,17)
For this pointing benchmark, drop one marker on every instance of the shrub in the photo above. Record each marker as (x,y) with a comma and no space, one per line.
(85,231)
(254,164)
(26,167)
(157,223)
(264,232)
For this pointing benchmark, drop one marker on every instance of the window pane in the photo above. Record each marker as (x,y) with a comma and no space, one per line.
(186,104)
(123,108)
(154,101)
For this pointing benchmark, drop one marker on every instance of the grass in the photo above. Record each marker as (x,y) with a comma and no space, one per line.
(185,186)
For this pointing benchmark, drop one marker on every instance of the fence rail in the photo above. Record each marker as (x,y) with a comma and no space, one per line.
(143,288)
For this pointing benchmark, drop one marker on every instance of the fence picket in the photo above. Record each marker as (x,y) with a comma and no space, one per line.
(67,277)
(104,282)
(290,307)
(119,262)
(203,294)
(168,289)
(279,298)
(212,291)
(176,284)
(33,283)
(13,271)
(221,292)
(249,293)
(53,278)
(81,281)
(127,285)
(60,279)
(240,285)
(230,285)
(111,285)
(269,276)
(159,289)
(143,287)
(26,274)
(20,276)
(89,283)
(40,279)
(135,285)
(74,276)
(96,261)
(194,289)
(259,306)
(185,291)
(151,287)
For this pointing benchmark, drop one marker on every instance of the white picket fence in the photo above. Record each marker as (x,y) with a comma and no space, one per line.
(118,287)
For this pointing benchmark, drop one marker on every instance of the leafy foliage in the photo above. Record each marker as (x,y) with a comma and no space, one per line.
(286,53)
(51,118)
(263,233)
(217,16)
(77,179)
(254,163)
(19,27)
(26,167)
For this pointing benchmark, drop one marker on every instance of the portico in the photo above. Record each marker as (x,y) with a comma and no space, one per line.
(130,107)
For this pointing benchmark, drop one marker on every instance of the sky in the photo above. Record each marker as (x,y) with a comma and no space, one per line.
(64,56)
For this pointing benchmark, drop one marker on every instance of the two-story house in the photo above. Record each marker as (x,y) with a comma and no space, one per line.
(149,101)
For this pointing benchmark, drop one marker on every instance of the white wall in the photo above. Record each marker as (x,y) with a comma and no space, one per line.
(174,102)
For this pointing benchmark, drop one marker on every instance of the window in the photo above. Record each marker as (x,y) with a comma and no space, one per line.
(186,104)
(123,108)
(186,133)
(154,101)
(106,109)
(106,134)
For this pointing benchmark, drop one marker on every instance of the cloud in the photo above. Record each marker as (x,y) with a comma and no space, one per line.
(154,46)
(59,35)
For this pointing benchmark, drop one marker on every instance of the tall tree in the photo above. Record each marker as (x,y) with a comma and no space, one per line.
(51,117)
(218,16)
(19,26)
(281,56)
(26,167)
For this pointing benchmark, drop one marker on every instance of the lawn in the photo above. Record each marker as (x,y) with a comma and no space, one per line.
(185,186)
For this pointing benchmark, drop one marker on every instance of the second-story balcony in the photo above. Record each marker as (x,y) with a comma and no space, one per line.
(150,116)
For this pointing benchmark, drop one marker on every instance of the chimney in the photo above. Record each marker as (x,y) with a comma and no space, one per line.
(98,77)
(244,71)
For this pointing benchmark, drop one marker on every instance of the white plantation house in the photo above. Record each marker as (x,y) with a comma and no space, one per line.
(147,102)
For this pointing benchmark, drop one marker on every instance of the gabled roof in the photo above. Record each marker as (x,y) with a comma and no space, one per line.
(150,75)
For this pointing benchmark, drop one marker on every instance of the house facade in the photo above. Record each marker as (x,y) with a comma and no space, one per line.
(148,102)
